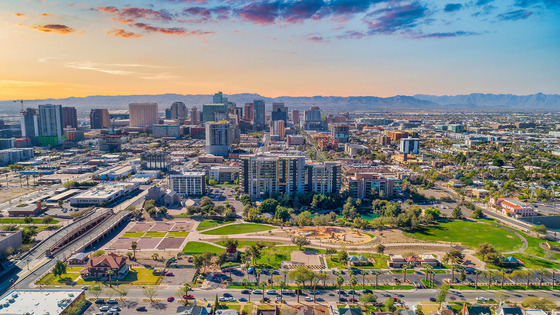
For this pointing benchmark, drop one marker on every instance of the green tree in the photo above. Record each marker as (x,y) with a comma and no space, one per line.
(47,219)
(457,213)
(300,241)
(353,282)
(477,214)
(95,291)
(380,249)
(150,293)
(539,230)
(442,294)
(133,246)
(343,258)
(339,283)
(368,298)
(541,303)
(246,200)
(454,257)
(28,220)
(205,201)
(221,259)
(485,249)
(390,304)
(269,205)
(59,269)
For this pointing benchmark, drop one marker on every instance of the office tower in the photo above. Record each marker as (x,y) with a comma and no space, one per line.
(178,110)
(218,138)
(143,114)
(248,112)
(295,117)
(195,116)
(50,124)
(69,117)
(29,123)
(278,132)
(312,119)
(214,112)
(279,112)
(235,131)
(410,145)
(99,118)
(110,140)
(323,178)
(383,140)
(259,118)
(219,98)
(188,183)
(340,132)
(168,113)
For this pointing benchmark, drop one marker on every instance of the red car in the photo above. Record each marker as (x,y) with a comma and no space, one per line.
(188,297)
(352,300)
(169,274)
(170,299)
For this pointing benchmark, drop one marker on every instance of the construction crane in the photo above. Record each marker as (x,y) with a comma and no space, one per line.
(21,101)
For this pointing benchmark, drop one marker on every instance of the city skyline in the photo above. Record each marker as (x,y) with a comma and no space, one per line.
(279,48)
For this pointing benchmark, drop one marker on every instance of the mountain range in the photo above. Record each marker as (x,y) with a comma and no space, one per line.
(420,102)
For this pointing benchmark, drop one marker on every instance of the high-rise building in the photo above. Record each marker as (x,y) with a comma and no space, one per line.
(219,98)
(323,178)
(248,112)
(158,160)
(178,110)
(99,118)
(143,114)
(50,124)
(259,118)
(195,116)
(214,112)
(368,186)
(410,145)
(312,119)
(29,123)
(340,132)
(279,112)
(218,138)
(278,132)
(188,183)
(110,141)
(295,117)
(69,117)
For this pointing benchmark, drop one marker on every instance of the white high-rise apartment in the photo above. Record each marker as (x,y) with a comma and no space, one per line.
(189,183)
(50,121)
(218,138)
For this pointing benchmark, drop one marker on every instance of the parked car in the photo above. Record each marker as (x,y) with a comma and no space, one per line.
(85,287)
(104,308)
(222,299)
(432,299)
(112,301)
(271,292)
(242,299)
(141,309)
(100,301)
(250,270)
(170,299)
(367,291)
(257,292)
(308,299)
(169,274)
(279,299)
(352,300)
(115,309)
(188,297)
(245,291)
(227,294)
(343,299)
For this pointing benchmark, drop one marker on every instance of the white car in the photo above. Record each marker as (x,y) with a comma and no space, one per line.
(257,292)
(271,292)
(222,299)
(231,299)
(481,299)
(308,299)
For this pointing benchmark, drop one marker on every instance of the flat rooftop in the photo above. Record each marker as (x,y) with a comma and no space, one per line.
(37,301)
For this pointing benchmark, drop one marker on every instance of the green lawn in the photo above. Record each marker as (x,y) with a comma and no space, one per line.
(208,224)
(242,244)
(273,256)
(133,234)
(21,221)
(198,248)
(469,234)
(136,276)
(239,229)
(155,234)
(71,275)
(177,234)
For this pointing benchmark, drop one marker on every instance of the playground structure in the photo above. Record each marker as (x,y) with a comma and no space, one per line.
(335,235)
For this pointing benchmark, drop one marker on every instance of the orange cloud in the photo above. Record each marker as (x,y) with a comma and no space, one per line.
(48,14)
(19,15)
(54,28)
(123,33)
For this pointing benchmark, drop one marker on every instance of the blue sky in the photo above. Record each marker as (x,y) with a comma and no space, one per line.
(316,47)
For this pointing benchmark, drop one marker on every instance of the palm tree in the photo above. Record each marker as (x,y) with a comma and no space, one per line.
(364,274)
(353,282)
(405,268)
(489,275)
(477,273)
(285,273)
(504,275)
(298,283)
(553,271)
(541,272)
(314,279)
(376,273)
(528,274)
(110,273)
(282,285)
(133,246)
(339,283)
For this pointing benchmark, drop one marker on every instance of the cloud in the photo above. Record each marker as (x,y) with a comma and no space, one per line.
(262,12)
(169,30)
(122,33)
(351,35)
(395,17)
(21,15)
(54,28)
(514,15)
(134,13)
(317,39)
(446,34)
(48,15)
(483,2)
(452,7)
(528,3)
(160,76)
(87,65)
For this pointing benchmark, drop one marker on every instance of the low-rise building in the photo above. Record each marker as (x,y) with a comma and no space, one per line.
(396,261)
(224,173)
(512,207)
(43,301)
(97,267)
(354,150)
(103,194)
(172,131)
(9,241)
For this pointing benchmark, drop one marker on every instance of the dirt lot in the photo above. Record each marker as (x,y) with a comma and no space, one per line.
(12,193)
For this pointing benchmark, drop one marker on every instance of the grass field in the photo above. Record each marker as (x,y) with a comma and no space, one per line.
(155,234)
(239,229)
(198,248)
(272,257)
(133,234)
(177,234)
(380,261)
(243,244)
(208,224)
(469,234)
(21,221)
(71,275)
(136,276)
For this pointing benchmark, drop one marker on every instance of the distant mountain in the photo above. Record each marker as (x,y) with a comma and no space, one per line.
(502,102)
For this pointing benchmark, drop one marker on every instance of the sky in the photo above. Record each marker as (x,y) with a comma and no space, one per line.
(57,49)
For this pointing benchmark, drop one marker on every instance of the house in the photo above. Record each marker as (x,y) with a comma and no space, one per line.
(406,312)
(475,310)
(78,259)
(535,312)
(358,261)
(231,251)
(396,261)
(274,311)
(427,259)
(512,207)
(227,312)
(443,311)
(350,311)
(505,309)
(510,261)
(97,267)
(192,310)
(379,312)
